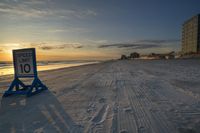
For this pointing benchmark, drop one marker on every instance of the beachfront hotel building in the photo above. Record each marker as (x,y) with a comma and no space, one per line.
(191,35)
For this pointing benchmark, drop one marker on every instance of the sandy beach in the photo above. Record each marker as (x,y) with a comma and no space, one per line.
(134,96)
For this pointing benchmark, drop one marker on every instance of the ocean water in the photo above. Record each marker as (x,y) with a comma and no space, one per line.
(6,68)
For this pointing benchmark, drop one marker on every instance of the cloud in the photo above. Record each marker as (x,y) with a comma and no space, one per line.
(141,44)
(48,47)
(39,9)
(56,30)
(73,45)
(67,29)
(34,2)
(134,45)
(89,13)
(21,10)
(159,41)
(79,47)
(8,47)
(98,41)
(45,46)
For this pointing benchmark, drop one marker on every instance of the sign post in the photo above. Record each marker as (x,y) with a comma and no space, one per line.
(25,66)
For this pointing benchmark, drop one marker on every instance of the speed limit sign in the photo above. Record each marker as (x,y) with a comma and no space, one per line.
(24,62)
(25,67)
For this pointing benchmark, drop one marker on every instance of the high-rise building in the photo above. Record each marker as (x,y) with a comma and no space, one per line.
(191,35)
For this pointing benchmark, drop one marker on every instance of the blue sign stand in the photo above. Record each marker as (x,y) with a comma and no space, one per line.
(17,86)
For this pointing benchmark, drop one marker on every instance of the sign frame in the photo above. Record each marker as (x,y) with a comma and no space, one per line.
(17,86)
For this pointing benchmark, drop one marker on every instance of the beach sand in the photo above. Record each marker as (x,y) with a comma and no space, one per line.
(135,96)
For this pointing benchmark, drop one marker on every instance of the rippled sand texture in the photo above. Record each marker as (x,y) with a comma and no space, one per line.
(157,96)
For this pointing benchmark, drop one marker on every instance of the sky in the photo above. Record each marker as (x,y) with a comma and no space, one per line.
(92,29)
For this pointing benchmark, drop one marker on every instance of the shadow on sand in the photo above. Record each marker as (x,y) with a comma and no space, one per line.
(39,113)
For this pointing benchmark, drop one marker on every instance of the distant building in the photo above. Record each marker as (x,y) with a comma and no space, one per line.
(134,55)
(170,55)
(191,35)
(124,57)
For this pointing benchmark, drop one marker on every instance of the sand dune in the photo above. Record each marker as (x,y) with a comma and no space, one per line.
(113,97)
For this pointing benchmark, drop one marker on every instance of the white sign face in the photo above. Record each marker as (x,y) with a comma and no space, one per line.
(24,62)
